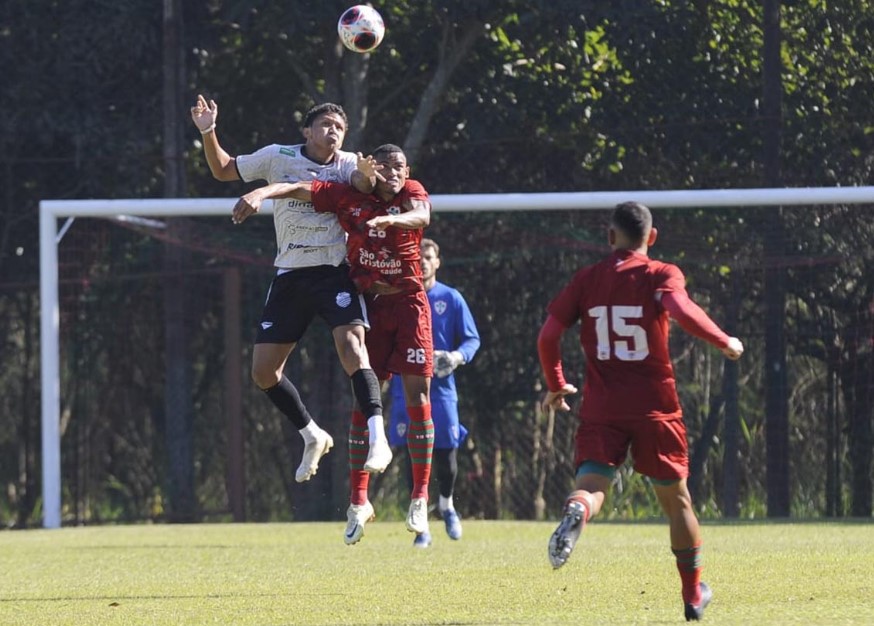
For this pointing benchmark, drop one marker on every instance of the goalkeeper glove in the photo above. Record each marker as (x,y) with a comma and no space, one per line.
(446,362)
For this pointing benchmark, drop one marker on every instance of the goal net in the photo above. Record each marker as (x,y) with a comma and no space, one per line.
(148,311)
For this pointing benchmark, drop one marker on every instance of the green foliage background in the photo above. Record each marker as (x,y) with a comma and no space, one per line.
(536,96)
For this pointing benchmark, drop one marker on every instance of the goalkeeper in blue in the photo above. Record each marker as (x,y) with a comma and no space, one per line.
(456,340)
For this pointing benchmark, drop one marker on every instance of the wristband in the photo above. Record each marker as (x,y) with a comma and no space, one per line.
(207,131)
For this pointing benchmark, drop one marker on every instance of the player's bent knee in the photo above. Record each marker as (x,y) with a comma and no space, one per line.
(351,349)
(264,378)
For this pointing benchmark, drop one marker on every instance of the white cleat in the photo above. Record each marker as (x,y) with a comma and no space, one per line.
(378,457)
(417,518)
(312,454)
(357,515)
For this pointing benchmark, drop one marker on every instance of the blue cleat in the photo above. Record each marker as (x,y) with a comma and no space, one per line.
(422,540)
(695,613)
(453,524)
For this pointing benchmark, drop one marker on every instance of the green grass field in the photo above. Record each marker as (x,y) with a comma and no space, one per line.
(769,573)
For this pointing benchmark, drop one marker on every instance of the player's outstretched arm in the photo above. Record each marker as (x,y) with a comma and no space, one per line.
(250,203)
(734,349)
(418,215)
(549,351)
(466,330)
(696,322)
(466,338)
(222,165)
(556,401)
(366,174)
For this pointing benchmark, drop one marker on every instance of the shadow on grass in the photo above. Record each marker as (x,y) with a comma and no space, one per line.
(160,597)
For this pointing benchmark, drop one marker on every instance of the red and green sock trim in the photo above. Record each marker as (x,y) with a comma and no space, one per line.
(420,443)
(689,566)
(358,441)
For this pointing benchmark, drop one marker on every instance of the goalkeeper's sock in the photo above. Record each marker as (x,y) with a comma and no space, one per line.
(446,504)
(444,465)
(420,444)
(689,566)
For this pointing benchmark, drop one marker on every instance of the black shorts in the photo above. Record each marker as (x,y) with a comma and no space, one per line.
(296,297)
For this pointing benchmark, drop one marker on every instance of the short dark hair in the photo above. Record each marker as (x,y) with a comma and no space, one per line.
(632,218)
(387,148)
(323,109)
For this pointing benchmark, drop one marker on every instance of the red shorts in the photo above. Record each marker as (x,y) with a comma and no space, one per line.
(658,447)
(399,339)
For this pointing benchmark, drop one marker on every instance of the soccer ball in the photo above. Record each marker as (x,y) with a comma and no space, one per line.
(361,28)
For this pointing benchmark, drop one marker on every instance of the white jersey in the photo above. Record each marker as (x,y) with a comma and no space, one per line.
(304,238)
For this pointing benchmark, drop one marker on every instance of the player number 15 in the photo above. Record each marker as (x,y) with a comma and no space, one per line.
(615,319)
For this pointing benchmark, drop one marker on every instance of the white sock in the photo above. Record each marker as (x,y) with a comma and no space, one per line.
(377,428)
(446,504)
(309,431)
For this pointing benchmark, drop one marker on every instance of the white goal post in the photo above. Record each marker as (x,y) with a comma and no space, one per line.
(51,210)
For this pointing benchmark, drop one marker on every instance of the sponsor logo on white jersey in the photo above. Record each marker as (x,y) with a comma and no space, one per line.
(304,238)
(293,229)
(298,205)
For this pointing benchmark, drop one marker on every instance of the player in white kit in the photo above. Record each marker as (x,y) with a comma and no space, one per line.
(312,276)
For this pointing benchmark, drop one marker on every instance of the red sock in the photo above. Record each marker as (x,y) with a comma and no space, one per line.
(689,566)
(580,496)
(358,445)
(420,443)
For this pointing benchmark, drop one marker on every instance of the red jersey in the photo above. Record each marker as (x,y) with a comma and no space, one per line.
(624,333)
(392,255)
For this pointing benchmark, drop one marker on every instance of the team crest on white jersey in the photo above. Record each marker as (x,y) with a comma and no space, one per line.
(440,307)
(343,299)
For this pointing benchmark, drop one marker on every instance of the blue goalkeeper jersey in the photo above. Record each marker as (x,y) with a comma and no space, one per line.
(453,329)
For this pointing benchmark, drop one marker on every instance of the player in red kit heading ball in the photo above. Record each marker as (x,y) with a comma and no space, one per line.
(630,399)
(385,231)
